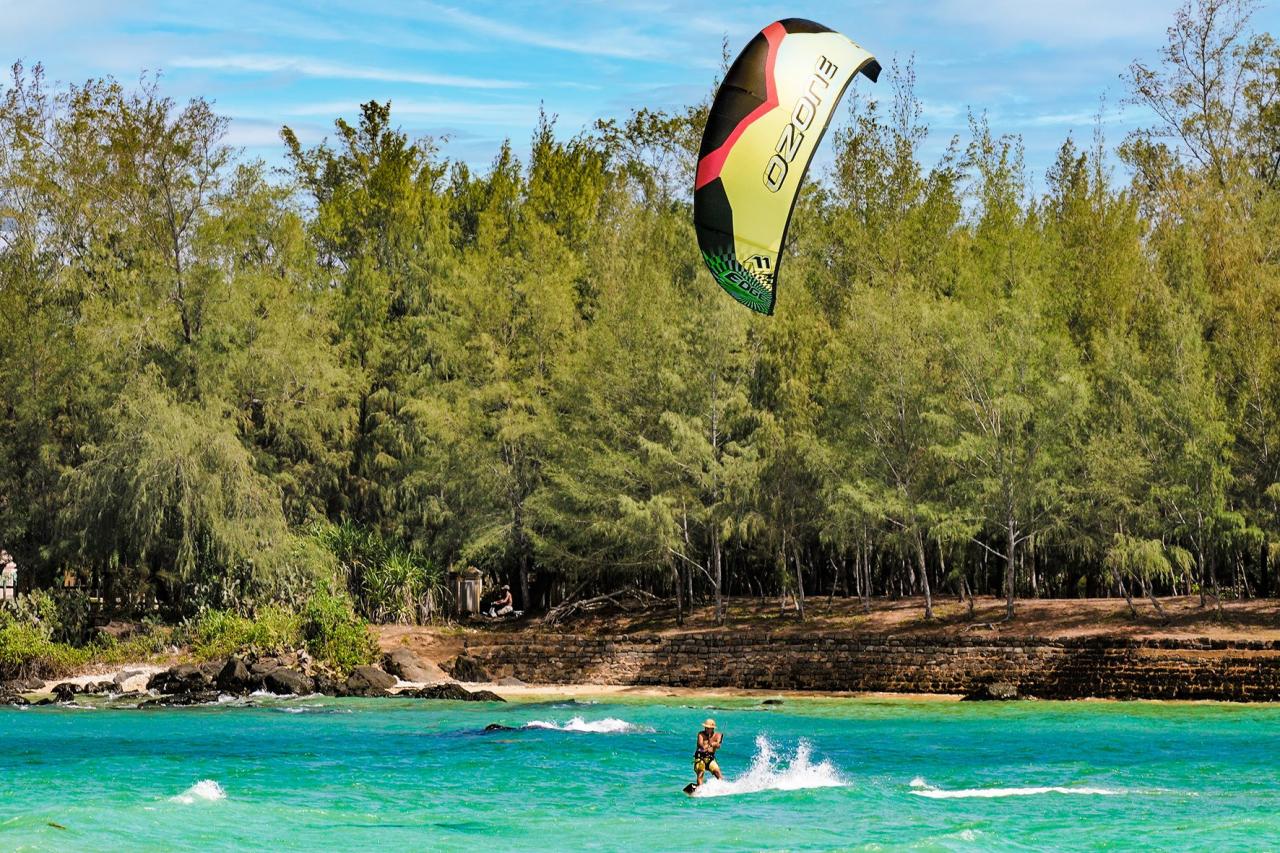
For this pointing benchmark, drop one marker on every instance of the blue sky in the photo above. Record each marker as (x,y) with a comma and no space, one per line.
(478,71)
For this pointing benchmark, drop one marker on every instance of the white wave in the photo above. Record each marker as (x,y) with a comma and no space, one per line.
(205,790)
(609,726)
(770,771)
(922,788)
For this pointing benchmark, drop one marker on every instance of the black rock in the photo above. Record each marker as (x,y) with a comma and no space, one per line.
(13,699)
(211,668)
(330,686)
(21,685)
(98,688)
(66,692)
(181,700)
(449,690)
(235,678)
(484,696)
(455,692)
(499,727)
(263,666)
(283,681)
(183,678)
(369,681)
(467,668)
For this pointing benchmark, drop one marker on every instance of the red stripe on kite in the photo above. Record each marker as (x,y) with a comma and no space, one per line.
(709,167)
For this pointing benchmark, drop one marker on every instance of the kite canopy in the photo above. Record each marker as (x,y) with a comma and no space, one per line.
(764,127)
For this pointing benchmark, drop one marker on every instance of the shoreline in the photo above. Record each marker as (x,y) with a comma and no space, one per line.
(551,692)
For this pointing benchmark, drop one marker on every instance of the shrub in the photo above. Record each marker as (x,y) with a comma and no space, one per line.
(140,647)
(219,633)
(389,585)
(39,612)
(335,634)
(73,621)
(27,652)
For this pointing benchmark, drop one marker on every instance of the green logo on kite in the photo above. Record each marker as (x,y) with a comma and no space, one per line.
(738,281)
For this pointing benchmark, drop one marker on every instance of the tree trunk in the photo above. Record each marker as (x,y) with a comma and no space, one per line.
(1124,590)
(1155,602)
(795,555)
(679,596)
(1200,572)
(717,559)
(924,575)
(1264,579)
(1010,555)
(517,523)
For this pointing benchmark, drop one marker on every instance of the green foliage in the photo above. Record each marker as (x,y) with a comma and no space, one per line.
(26,651)
(232,390)
(326,626)
(335,634)
(219,633)
(389,585)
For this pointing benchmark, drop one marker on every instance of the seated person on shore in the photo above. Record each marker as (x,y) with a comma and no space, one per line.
(503,604)
(8,576)
(704,757)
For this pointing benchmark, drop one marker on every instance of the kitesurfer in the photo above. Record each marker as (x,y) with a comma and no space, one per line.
(704,757)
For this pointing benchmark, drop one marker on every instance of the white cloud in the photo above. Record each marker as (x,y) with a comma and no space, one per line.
(271,64)
(618,43)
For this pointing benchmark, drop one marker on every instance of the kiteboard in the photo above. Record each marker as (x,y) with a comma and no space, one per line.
(690,788)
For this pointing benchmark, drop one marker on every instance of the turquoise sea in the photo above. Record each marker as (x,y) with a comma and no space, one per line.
(808,774)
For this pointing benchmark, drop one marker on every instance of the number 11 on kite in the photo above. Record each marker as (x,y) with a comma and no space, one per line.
(765,124)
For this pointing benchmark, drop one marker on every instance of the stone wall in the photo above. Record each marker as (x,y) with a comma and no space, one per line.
(1245,671)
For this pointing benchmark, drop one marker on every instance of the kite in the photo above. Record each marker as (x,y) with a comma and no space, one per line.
(764,126)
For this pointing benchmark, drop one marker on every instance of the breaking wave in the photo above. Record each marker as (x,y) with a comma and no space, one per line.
(922,788)
(206,790)
(608,726)
(770,771)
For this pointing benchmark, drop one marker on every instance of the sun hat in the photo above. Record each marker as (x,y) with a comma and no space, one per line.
(709,723)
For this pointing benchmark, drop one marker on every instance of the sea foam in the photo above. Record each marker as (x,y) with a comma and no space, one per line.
(607,726)
(206,790)
(770,771)
(922,788)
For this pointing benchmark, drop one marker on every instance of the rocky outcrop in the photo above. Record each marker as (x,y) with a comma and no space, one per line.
(180,700)
(467,668)
(65,692)
(130,681)
(404,664)
(183,678)
(235,678)
(283,681)
(198,684)
(21,685)
(454,691)
(369,681)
